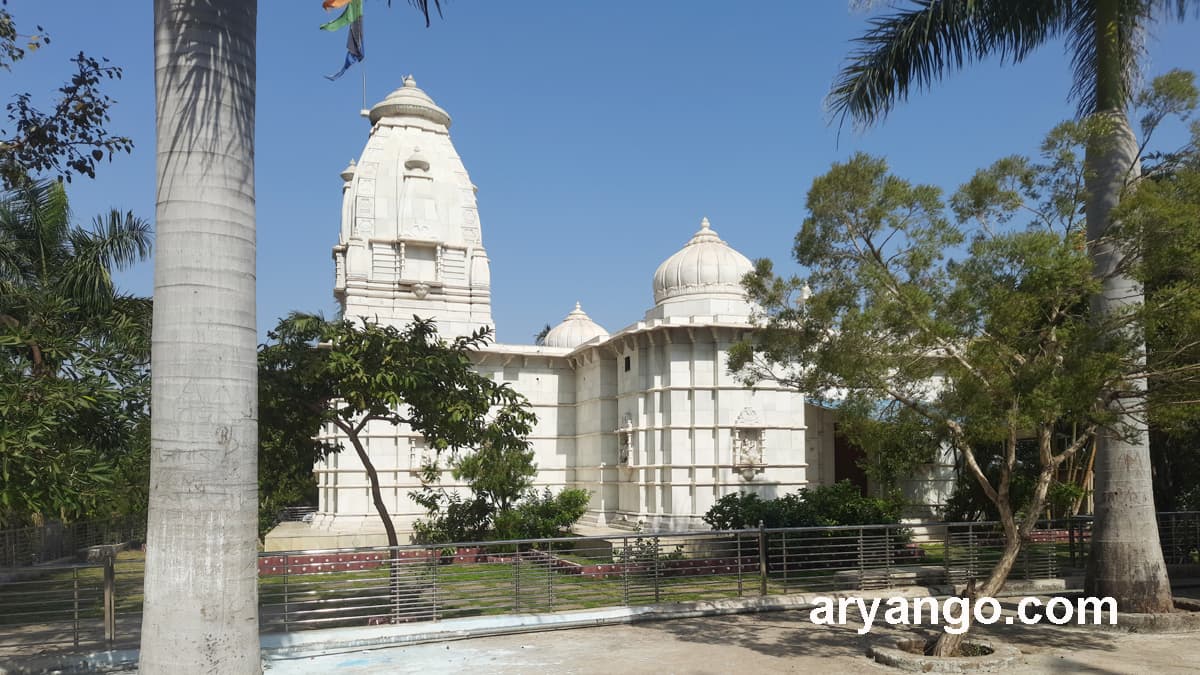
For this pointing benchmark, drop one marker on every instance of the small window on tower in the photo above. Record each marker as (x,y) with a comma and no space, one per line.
(627,364)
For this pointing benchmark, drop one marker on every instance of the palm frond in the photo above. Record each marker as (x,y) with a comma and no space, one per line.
(423,7)
(10,257)
(127,324)
(1083,36)
(119,239)
(911,49)
(34,218)
(304,326)
(115,242)
(86,281)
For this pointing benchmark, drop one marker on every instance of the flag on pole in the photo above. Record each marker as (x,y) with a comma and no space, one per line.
(352,17)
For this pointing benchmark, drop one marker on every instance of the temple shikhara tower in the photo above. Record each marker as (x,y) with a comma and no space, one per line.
(647,418)
(410,240)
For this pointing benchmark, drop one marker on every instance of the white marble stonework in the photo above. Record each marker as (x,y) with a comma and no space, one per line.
(647,418)
(410,237)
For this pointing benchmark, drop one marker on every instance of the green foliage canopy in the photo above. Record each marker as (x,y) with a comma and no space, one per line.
(972,327)
(819,506)
(74,382)
(351,375)
(71,137)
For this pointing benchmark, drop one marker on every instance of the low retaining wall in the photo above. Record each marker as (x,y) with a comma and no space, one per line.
(273,565)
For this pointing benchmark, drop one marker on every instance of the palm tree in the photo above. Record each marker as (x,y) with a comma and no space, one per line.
(201,610)
(201,599)
(73,359)
(909,49)
(46,262)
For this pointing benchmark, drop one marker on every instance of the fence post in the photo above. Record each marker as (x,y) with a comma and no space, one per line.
(550,572)
(738,558)
(394,582)
(972,552)
(862,562)
(887,556)
(657,569)
(75,595)
(625,572)
(437,584)
(287,571)
(946,536)
(110,598)
(1071,540)
(762,558)
(517,580)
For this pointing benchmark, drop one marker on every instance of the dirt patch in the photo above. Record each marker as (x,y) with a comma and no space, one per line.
(926,647)
(916,655)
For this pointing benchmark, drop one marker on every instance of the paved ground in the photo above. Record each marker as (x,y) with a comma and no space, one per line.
(775,642)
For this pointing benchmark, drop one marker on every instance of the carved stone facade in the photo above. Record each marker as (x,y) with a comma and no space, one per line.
(410,239)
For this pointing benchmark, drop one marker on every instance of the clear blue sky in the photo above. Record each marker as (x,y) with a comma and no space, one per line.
(599,133)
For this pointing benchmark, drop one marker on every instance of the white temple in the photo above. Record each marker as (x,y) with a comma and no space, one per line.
(647,418)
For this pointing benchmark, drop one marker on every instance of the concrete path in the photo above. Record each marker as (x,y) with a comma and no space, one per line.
(774,642)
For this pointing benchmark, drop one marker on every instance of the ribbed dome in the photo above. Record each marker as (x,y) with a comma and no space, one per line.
(575,330)
(705,266)
(409,100)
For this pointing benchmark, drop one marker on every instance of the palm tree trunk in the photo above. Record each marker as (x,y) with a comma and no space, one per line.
(1126,561)
(201,601)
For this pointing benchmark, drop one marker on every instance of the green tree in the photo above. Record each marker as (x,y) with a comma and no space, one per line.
(75,356)
(357,375)
(1162,214)
(500,475)
(69,139)
(292,389)
(977,327)
(502,502)
(911,48)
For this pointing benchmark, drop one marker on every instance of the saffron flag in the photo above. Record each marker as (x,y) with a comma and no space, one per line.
(352,17)
(334,4)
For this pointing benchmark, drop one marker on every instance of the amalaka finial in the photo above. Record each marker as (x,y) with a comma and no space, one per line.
(704,223)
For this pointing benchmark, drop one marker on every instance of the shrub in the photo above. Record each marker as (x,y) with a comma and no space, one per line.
(542,515)
(450,518)
(820,506)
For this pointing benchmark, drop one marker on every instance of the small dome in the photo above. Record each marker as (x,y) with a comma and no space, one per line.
(348,172)
(705,266)
(409,101)
(575,330)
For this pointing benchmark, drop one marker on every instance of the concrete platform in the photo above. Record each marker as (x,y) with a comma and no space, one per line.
(776,642)
(294,536)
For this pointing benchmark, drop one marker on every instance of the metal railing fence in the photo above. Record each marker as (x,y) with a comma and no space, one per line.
(26,546)
(295,514)
(99,603)
(72,605)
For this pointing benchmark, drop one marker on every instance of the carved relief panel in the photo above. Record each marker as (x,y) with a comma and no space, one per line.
(625,436)
(749,444)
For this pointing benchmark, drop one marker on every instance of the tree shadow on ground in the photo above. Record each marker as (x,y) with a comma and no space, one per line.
(779,634)
(792,633)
